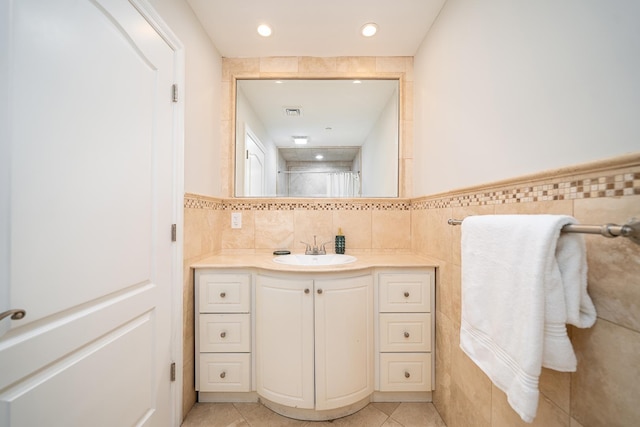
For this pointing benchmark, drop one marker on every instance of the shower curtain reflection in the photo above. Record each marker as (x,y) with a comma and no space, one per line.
(343,184)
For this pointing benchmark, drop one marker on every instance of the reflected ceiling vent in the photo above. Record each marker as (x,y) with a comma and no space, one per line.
(292,111)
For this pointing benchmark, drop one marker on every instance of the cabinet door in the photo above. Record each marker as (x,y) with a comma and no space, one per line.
(344,341)
(284,341)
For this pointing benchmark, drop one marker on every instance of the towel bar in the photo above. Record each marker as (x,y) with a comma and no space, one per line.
(630,230)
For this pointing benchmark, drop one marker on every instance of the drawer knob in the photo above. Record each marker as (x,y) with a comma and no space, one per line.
(406,294)
(319,291)
(407,374)
(223,334)
(223,374)
(306,291)
(223,294)
(406,334)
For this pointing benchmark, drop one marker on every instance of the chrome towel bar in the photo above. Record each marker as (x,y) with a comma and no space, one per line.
(630,230)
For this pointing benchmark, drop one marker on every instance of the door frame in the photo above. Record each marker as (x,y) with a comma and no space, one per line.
(177,313)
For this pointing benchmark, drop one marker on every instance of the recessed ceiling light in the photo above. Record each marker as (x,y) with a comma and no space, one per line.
(369,29)
(319,157)
(264,30)
(300,140)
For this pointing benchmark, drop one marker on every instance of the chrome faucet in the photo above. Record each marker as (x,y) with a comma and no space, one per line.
(315,250)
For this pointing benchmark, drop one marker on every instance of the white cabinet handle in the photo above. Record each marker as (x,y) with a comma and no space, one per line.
(16,314)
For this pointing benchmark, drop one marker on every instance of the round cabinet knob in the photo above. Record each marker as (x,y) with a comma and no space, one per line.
(319,291)
(407,374)
(224,374)
(306,291)
(223,334)
(223,294)
(406,294)
(406,334)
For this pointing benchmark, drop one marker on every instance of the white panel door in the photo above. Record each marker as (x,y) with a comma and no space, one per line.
(254,167)
(90,124)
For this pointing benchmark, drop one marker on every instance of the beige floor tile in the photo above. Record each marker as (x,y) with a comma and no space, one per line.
(214,415)
(259,415)
(379,414)
(417,415)
(368,416)
(386,407)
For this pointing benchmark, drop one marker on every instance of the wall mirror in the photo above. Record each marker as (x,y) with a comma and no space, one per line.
(317,138)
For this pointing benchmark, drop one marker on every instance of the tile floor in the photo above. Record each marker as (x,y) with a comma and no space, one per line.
(257,415)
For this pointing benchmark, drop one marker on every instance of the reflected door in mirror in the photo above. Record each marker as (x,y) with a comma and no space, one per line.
(254,167)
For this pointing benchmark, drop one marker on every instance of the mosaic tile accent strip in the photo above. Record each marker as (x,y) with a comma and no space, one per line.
(316,206)
(616,185)
(613,185)
(192,201)
(197,202)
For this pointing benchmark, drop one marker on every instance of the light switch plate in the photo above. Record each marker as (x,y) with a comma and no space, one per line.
(236,219)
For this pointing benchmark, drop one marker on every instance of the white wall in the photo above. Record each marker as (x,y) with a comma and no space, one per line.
(202,94)
(505,88)
(379,175)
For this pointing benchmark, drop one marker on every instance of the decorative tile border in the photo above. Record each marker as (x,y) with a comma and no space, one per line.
(193,201)
(616,185)
(586,183)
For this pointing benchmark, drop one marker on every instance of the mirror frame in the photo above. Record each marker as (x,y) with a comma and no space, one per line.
(307,68)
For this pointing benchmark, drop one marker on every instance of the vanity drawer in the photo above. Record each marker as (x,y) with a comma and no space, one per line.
(225,333)
(405,372)
(405,332)
(224,293)
(224,372)
(405,292)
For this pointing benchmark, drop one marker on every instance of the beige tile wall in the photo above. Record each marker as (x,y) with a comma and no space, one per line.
(397,67)
(605,390)
(201,220)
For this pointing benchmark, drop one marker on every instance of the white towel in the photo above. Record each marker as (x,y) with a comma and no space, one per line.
(522,281)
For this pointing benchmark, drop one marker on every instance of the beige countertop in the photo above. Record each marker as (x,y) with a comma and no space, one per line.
(366,260)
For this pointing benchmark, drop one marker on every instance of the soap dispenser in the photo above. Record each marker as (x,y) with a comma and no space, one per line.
(340,242)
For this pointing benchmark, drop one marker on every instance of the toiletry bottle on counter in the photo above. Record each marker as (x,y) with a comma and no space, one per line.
(340,243)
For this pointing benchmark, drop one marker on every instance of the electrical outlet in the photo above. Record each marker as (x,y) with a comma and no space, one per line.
(236,219)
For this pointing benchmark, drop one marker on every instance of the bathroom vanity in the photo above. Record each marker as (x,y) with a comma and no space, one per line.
(314,343)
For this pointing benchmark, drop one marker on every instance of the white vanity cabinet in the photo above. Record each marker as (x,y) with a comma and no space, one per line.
(406,330)
(223,331)
(314,339)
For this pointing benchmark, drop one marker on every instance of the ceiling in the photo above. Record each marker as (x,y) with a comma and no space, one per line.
(316,28)
(333,113)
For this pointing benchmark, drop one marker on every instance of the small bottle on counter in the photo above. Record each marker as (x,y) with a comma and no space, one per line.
(340,242)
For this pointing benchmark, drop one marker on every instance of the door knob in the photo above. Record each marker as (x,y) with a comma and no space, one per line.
(16,314)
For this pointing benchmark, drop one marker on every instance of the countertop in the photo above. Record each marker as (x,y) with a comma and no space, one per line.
(365,260)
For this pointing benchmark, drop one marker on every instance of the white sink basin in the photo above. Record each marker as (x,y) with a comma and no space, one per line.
(329,259)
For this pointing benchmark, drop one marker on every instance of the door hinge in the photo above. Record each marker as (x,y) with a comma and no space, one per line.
(247,154)
(175,93)
(173,371)
(174,233)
